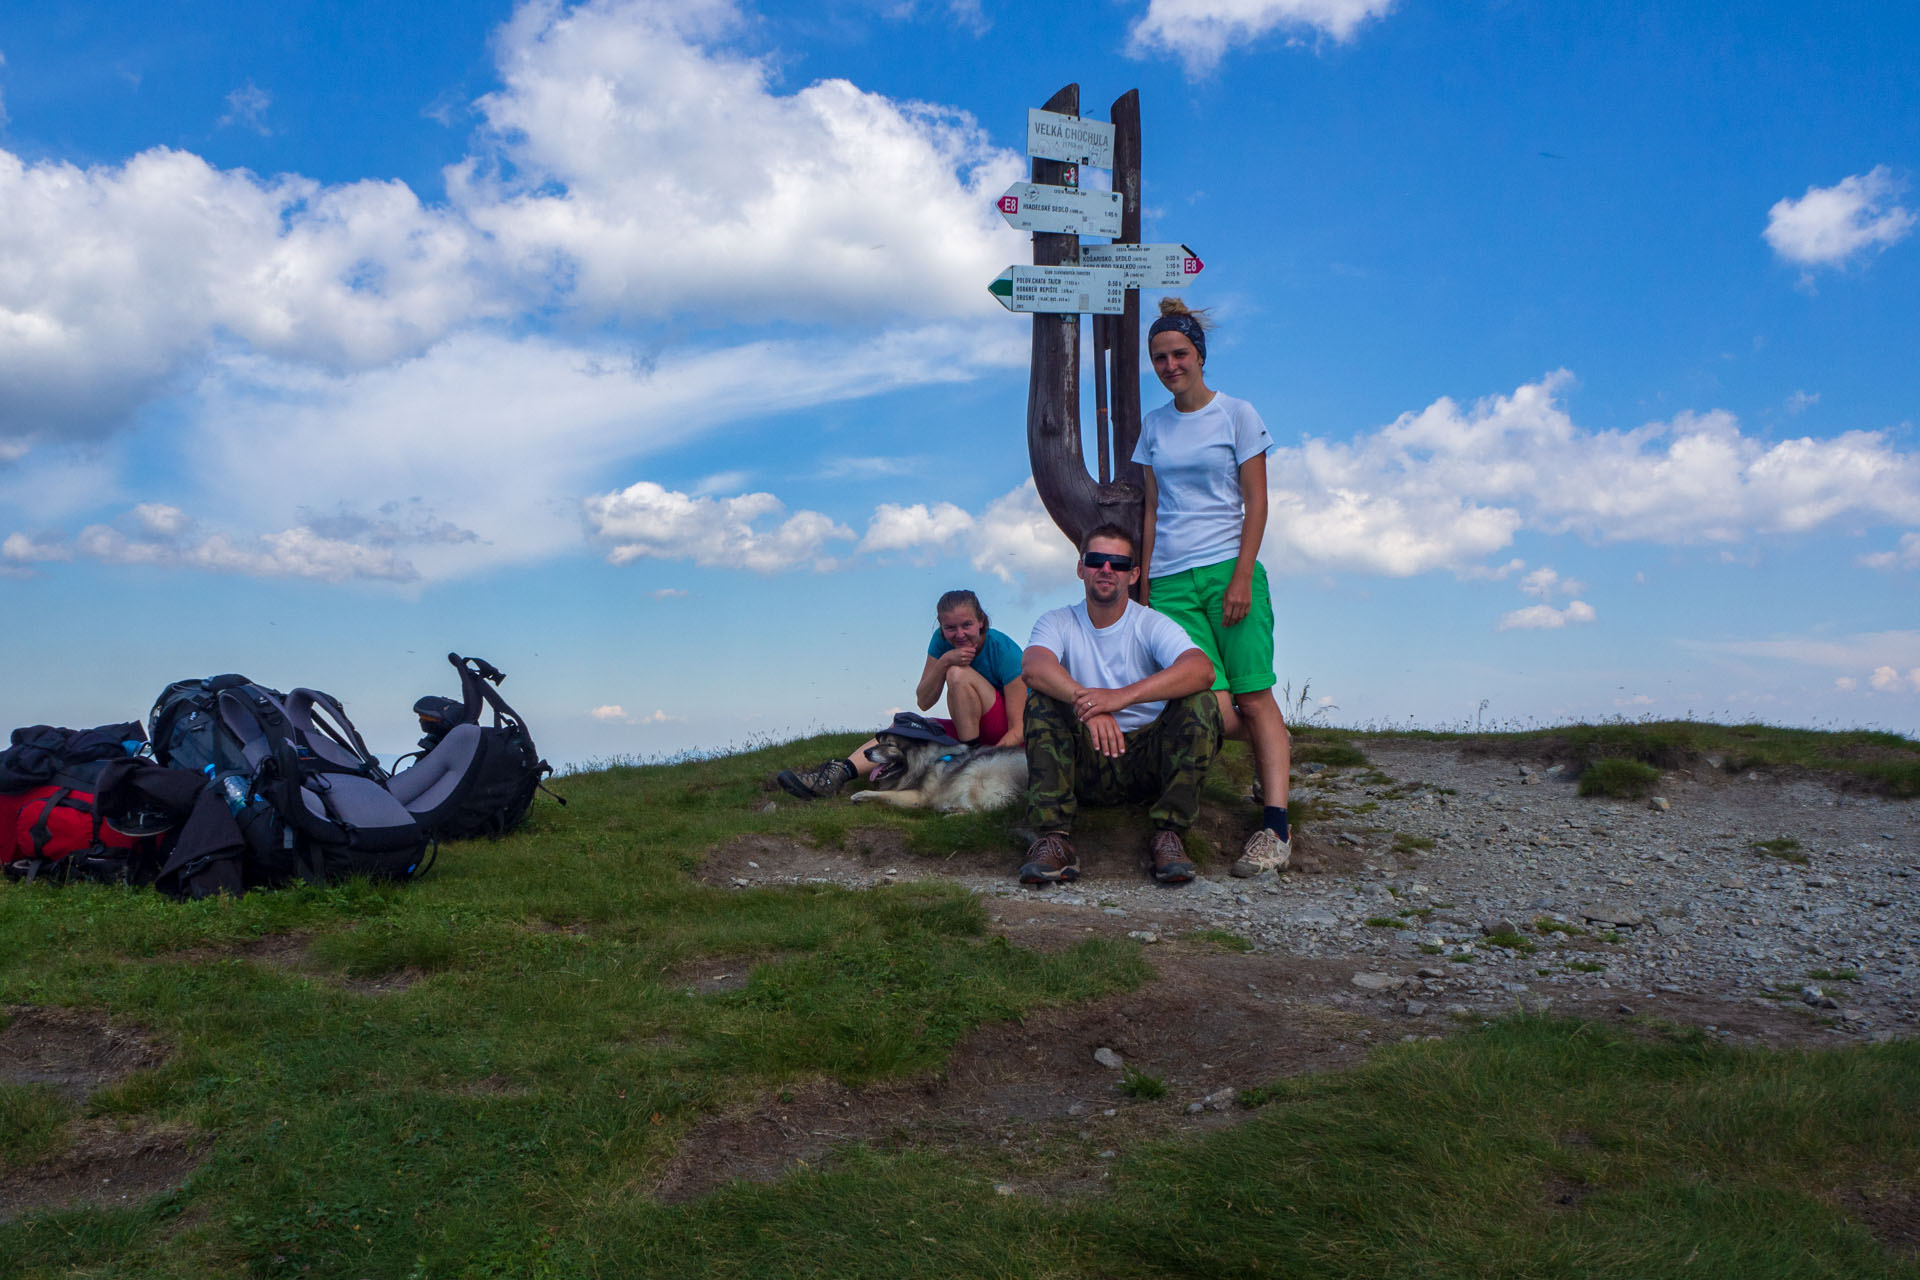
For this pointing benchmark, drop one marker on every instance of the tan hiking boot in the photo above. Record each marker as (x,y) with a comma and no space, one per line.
(1264,851)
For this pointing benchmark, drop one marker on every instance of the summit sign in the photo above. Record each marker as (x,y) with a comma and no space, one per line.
(1053,136)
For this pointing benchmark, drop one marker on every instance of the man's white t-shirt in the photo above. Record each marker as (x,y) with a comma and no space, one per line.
(1196,459)
(1140,643)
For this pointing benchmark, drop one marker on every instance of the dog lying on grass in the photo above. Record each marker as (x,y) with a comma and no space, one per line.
(917,774)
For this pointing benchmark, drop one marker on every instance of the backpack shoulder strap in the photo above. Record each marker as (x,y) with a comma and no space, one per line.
(258,723)
(329,735)
(478,681)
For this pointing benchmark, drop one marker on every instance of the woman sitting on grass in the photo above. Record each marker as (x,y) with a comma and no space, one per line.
(976,667)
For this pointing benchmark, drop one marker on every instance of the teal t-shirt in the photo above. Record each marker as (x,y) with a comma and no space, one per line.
(998,660)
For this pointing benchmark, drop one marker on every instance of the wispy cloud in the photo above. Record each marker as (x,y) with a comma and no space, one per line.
(1199,32)
(1887,661)
(1538,617)
(1907,556)
(247,109)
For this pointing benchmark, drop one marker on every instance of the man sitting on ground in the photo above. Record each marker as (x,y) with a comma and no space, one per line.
(1119,709)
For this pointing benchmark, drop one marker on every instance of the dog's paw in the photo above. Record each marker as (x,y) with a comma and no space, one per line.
(859,796)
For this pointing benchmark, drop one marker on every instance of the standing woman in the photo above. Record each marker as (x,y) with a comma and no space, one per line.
(1205,456)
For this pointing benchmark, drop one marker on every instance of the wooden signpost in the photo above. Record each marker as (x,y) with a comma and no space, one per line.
(1104,281)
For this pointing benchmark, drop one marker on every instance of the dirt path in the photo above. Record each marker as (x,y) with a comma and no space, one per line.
(1433,890)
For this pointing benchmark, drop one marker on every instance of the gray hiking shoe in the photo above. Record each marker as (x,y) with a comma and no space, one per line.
(1170,865)
(1265,851)
(817,783)
(1049,860)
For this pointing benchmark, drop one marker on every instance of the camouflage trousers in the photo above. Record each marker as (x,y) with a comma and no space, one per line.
(1164,763)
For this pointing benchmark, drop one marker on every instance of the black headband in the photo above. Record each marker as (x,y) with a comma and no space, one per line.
(1186,326)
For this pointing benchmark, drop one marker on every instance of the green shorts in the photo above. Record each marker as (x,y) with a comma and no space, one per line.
(1243,653)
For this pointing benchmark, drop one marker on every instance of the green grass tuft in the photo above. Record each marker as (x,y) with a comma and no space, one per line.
(1385,922)
(1222,940)
(33,1120)
(1785,848)
(1622,779)
(1136,1083)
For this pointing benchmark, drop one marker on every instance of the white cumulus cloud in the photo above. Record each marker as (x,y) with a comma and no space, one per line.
(908,528)
(643,166)
(1445,487)
(635,163)
(612,713)
(1017,542)
(1828,226)
(751,531)
(1198,32)
(118,275)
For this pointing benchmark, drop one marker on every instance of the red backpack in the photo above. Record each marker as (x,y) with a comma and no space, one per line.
(49,822)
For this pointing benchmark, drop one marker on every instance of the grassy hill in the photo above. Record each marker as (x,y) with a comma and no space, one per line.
(510,1067)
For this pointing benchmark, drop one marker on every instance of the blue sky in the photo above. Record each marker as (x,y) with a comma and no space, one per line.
(644,348)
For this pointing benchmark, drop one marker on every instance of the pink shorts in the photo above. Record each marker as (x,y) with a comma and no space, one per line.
(993,725)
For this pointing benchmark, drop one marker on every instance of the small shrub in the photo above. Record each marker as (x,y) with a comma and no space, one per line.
(1404,843)
(1586,966)
(1385,922)
(1622,779)
(1511,941)
(1544,925)
(1431,948)
(1785,848)
(1136,1083)
(1222,940)
(1834,975)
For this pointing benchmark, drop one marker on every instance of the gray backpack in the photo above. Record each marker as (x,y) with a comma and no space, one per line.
(310,800)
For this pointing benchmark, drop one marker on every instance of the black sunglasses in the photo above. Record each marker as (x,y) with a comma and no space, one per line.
(1103,559)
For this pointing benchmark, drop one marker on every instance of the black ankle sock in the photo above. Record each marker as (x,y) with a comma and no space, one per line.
(1276,820)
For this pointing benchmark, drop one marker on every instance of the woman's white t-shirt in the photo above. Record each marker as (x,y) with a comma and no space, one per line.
(1196,459)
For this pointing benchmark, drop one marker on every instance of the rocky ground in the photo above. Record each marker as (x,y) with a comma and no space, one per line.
(1432,883)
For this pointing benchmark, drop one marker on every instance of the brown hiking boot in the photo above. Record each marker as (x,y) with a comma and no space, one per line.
(816,783)
(1170,865)
(1050,859)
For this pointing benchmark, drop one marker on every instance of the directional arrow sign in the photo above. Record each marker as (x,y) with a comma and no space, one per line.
(1145,266)
(1053,136)
(1090,290)
(1033,207)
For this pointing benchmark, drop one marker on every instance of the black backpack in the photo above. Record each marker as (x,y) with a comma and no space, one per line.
(181,724)
(308,798)
(471,779)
